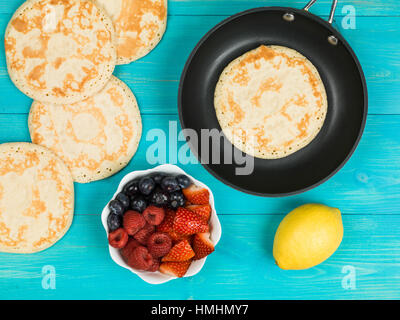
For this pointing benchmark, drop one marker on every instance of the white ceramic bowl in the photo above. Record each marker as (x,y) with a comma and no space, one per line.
(158,277)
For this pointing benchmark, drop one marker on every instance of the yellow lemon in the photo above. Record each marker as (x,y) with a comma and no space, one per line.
(307,236)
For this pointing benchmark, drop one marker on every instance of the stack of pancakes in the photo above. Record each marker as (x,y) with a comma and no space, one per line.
(85,123)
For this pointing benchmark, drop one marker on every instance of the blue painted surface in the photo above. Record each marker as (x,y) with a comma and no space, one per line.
(366,190)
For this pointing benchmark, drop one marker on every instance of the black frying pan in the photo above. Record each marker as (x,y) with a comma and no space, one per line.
(340,71)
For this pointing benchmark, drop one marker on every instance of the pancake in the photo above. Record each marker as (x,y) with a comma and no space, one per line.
(60,51)
(96,137)
(271,102)
(36,198)
(139,26)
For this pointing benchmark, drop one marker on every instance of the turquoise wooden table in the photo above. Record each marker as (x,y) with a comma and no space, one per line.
(367,189)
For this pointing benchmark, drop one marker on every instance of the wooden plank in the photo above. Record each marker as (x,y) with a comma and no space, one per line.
(366,190)
(213,7)
(155,79)
(322,7)
(241,268)
(368,184)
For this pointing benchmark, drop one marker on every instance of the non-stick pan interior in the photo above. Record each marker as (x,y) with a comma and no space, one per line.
(340,72)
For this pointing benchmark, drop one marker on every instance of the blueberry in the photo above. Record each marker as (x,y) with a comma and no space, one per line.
(146,185)
(123,199)
(157,177)
(177,199)
(170,184)
(116,207)
(159,198)
(138,204)
(183,181)
(114,222)
(131,188)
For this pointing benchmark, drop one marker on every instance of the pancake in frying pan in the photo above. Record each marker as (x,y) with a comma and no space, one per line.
(60,51)
(271,102)
(36,198)
(96,137)
(139,26)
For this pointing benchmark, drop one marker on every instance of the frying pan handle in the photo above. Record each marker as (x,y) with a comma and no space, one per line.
(333,9)
(332,39)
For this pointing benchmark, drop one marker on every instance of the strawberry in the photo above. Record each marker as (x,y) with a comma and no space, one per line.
(197,195)
(182,251)
(203,210)
(176,237)
(176,269)
(167,225)
(202,245)
(187,223)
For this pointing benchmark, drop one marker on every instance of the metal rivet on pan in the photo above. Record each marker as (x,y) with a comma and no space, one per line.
(288,17)
(333,40)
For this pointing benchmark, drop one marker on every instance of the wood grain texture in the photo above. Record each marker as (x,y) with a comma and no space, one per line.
(218,7)
(368,184)
(155,79)
(366,190)
(241,268)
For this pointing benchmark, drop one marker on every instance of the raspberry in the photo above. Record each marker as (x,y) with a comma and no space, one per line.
(118,238)
(154,215)
(143,234)
(159,244)
(133,222)
(155,266)
(128,249)
(140,259)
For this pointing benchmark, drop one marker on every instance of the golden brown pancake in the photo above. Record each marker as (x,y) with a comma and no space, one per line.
(36,198)
(60,51)
(139,26)
(96,137)
(270,102)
